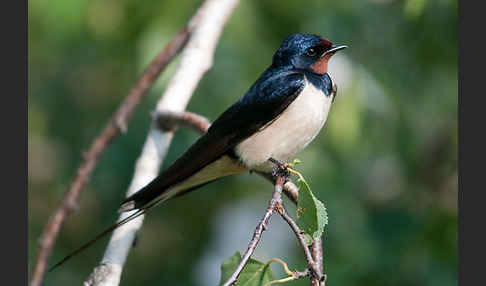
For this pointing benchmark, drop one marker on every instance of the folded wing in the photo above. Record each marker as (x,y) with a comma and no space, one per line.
(265,100)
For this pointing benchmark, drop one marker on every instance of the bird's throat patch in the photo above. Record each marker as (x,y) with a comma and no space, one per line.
(320,67)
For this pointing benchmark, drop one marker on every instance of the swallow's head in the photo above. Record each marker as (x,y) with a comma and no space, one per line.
(306,51)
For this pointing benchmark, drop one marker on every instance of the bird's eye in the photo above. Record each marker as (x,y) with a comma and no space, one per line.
(311,52)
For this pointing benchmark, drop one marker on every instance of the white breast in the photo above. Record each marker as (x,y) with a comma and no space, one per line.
(296,127)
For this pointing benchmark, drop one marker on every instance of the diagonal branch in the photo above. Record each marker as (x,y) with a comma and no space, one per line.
(316,251)
(262,226)
(313,265)
(206,27)
(117,124)
(276,204)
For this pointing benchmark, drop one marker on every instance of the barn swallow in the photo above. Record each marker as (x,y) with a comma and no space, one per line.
(281,113)
(277,117)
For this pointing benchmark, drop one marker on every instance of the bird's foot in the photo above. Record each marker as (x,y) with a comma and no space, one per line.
(280,170)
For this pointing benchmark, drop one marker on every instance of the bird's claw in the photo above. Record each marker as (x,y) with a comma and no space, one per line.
(280,169)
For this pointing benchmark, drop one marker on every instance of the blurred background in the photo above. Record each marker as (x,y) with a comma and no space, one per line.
(385,164)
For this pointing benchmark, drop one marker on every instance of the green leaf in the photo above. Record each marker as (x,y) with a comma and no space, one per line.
(296,162)
(255,273)
(311,212)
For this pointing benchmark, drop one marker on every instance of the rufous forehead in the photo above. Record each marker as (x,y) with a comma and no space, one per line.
(325,42)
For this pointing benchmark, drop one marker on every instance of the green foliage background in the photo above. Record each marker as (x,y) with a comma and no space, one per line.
(385,165)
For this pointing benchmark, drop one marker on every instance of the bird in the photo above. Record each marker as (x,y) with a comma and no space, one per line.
(280,114)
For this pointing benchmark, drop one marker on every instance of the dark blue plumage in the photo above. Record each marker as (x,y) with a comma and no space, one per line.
(322,82)
(272,92)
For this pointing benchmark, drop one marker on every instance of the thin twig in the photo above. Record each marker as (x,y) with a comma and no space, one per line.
(317,255)
(262,226)
(284,265)
(292,275)
(289,188)
(171,120)
(117,124)
(300,237)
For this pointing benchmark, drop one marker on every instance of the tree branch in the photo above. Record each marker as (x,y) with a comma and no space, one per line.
(262,226)
(206,26)
(316,251)
(117,124)
(171,120)
(313,265)
(289,188)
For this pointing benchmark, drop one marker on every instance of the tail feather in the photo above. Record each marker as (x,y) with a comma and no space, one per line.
(107,231)
(99,236)
(163,188)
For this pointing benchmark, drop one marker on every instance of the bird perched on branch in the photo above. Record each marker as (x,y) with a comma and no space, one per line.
(278,116)
(281,113)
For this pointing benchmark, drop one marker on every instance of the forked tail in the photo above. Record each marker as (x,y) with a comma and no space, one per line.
(99,236)
(110,229)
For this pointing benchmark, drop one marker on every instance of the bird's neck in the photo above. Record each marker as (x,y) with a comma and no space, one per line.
(320,81)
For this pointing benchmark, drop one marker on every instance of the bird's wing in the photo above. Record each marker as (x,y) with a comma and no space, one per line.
(260,105)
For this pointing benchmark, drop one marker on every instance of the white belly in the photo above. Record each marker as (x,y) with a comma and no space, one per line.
(296,127)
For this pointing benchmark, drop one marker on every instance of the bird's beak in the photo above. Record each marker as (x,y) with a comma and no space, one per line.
(334,49)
